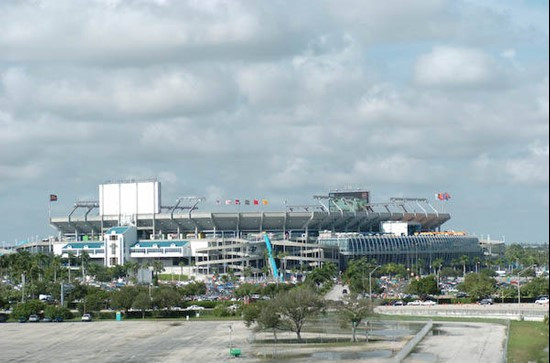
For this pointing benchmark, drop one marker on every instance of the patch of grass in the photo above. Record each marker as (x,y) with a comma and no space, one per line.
(173,277)
(528,341)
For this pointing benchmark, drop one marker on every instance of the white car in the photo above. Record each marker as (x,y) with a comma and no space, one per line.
(195,307)
(86,317)
(543,300)
(415,303)
(428,303)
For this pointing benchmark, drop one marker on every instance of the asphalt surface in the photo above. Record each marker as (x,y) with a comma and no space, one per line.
(208,341)
(126,341)
(461,342)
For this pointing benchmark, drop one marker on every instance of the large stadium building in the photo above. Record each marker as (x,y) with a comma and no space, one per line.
(129,223)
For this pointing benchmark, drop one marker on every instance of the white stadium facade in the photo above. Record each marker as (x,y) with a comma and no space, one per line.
(129,222)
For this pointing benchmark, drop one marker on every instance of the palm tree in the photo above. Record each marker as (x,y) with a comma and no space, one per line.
(131,267)
(84,262)
(477,262)
(437,264)
(158,267)
(464,260)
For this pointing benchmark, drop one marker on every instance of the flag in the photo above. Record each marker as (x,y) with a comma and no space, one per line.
(53,197)
(247,202)
(237,202)
(218,202)
(256,202)
(446,196)
(265,202)
(228,202)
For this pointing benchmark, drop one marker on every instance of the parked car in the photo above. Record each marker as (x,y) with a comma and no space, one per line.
(415,303)
(486,301)
(22,319)
(428,303)
(195,307)
(344,291)
(46,319)
(542,300)
(3,318)
(86,317)
(34,318)
(58,319)
(398,303)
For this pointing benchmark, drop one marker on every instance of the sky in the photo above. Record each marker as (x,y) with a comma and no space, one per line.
(280,100)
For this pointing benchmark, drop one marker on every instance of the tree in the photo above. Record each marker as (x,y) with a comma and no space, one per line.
(536,287)
(478,285)
(357,275)
(142,302)
(322,275)
(464,260)
(296,306)
(124,298)
(165,297)
(28,308)
(158,267)
(437,264)
(423,286)
(94,301)
(269,318)
(251,313)
(353,310)
(394,269)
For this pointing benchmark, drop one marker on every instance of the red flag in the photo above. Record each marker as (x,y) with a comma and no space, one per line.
(237,202)
(256,202)
(53,198)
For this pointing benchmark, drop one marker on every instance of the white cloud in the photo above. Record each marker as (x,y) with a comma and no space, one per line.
(449,66)
(227,98)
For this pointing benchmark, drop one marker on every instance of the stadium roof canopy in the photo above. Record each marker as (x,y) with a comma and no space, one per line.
(258,221)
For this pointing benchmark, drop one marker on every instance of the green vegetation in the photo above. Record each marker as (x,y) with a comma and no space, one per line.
(423,286)
(528,341)
(478,285)
(357,276)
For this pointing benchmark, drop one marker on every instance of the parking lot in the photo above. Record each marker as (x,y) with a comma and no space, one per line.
(126,341)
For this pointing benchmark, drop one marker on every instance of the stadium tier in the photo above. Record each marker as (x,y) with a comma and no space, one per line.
(130,223)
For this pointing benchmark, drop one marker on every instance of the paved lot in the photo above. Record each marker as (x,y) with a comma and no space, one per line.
(127,341)
(207,341)
(461,342)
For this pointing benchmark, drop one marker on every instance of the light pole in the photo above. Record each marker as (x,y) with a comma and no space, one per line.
(370,285)
(519,291)
(230,340)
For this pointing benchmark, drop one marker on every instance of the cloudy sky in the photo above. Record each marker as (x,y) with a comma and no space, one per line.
(277,99)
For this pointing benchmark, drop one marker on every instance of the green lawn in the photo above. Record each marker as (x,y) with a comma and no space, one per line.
(528,342)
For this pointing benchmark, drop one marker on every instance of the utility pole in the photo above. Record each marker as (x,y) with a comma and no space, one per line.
(62,294)
(370,285)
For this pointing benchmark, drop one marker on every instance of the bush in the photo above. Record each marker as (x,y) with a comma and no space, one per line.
(28,308)
(52,311)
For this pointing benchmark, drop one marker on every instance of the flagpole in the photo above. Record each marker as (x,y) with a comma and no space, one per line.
(50,218)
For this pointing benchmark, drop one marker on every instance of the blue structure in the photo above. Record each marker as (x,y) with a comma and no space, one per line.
(272,263)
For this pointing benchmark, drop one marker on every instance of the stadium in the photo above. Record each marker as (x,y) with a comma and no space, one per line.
(129,223)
